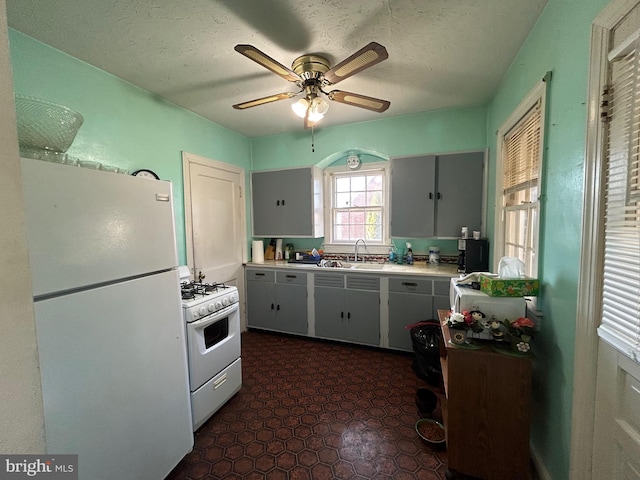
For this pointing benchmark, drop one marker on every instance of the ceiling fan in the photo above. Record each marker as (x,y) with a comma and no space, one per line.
(311,74)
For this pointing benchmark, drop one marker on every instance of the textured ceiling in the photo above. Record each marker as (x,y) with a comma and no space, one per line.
(442,53)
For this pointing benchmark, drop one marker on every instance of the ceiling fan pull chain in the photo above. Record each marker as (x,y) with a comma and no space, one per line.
(313,148)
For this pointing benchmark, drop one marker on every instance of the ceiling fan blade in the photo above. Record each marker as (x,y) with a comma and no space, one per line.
(263,100)
(357,100)
(267,62)
(364,58)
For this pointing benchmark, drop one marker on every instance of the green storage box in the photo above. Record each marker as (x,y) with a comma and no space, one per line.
(504,287)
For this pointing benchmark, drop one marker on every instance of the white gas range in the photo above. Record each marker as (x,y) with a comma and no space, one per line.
(212,321)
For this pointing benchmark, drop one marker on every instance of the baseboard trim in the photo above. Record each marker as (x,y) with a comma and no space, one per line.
(540,472)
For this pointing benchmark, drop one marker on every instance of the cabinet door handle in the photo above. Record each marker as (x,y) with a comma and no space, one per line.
(278,307)
(259,274)
(272,305)
(341,314)
(430,195)
(439,196)
(283,202)
(348,314)
(409,284)
(278,203)
(292,276)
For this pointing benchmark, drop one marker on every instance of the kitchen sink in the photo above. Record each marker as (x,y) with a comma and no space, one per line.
(368,266)
(350,266)
(363,266)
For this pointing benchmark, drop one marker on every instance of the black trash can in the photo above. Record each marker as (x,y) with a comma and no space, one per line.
(425,339)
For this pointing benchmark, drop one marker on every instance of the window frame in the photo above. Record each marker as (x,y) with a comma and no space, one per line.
(537,96)
(331,246)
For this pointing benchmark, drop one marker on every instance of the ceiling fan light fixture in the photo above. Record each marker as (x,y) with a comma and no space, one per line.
(311,73)
(300,107)
(319,106)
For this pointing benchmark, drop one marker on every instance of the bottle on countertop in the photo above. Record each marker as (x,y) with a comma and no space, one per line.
(392,254)
(409,254)
(434,255)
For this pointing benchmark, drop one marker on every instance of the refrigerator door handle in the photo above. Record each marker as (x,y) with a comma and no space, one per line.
(162,197)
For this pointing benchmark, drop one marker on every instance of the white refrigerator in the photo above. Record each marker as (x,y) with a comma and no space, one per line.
(109,320)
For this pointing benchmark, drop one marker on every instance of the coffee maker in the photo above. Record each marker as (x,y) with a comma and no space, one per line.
(473,255)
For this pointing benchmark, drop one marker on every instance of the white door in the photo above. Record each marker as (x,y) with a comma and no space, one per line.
(215,220)
(607,381)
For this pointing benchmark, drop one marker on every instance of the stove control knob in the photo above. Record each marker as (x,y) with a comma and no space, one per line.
(232,298)
(194,314)
(225,301)
(211,307)
(218,304)
(202,311)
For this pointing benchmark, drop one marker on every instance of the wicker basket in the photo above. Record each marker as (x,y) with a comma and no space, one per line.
(44,125)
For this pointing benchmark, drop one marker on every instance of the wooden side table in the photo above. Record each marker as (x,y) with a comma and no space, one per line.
(486,411)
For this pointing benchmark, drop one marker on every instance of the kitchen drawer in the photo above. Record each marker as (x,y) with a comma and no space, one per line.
(261,275)
(359,282)
(297,278)
(410,285)
(329,280)
(215,393)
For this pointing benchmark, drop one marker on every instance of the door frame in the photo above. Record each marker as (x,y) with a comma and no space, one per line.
(591,258)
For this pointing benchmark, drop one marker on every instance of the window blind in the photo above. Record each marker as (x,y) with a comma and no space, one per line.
(621,278)
(521,159)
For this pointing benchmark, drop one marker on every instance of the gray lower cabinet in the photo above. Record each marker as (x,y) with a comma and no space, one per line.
(350,314)
(441,300)
(277,300)
(347,306)
(410,301)
(434,195)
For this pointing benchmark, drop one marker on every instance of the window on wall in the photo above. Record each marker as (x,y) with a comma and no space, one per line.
(519,156)
(358,204)
(621,270)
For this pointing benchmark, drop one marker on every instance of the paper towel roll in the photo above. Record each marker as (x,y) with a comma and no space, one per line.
(279,255)
(257,251)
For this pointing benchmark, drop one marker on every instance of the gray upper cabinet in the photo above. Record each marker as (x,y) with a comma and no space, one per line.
(434,195)
(287,203)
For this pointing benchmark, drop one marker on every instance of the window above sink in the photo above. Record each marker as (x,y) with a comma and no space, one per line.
(357,207)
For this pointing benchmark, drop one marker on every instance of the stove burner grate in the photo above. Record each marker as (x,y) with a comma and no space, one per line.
(192,289)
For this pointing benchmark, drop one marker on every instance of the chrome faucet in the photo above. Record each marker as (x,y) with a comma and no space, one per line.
(355,259)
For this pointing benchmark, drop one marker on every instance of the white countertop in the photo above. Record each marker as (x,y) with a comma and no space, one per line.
(419,268)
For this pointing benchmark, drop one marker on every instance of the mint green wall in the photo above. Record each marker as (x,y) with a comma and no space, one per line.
(430,132)
(124,125)
(559,43)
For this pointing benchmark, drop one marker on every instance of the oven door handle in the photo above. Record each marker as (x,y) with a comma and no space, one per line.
(214,317)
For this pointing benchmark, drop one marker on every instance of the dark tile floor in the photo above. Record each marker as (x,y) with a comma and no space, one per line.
(315,410)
